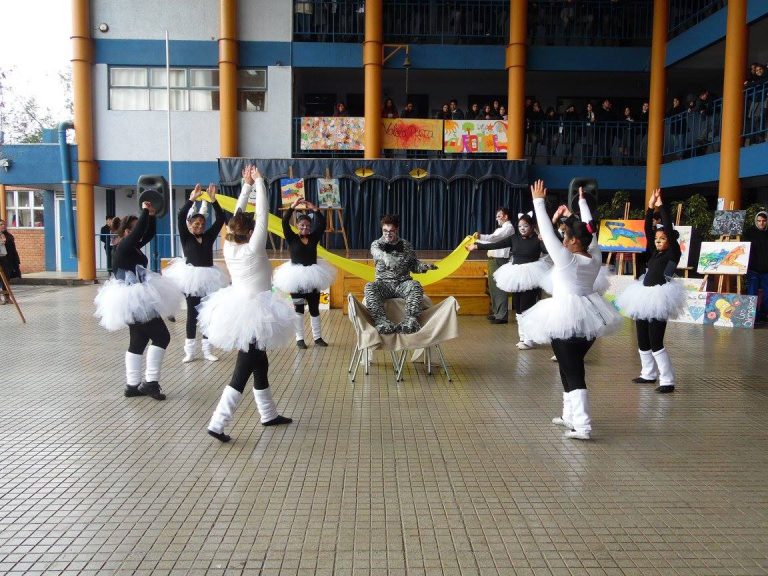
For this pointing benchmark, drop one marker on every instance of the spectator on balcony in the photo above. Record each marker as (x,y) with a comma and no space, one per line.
(606,132)
(487,113)
(588,140)
(641,141)
(456,112)
(568,132)
(495,105)
(627,137)
(551,133)
(389,110)
(474,112)
(340,110)
(675,128)
(409,111)
(503,113)
(445,113)
(755,104)
(704,121)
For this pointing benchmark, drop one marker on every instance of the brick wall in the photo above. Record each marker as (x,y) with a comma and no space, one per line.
(30,243)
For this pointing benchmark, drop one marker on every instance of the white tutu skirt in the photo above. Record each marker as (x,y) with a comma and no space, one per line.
(660,302)
(297,278)
(601,285)
(232,318)
(570,316)
(123,302)
(520,277)
(195,280)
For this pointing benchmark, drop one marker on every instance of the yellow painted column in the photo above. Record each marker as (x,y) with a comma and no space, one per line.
(372,63)
(733,102)
(87,169)
(3,206)
(228,57)
(515,62)
(657,97)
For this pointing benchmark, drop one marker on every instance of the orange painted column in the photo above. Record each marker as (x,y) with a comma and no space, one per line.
(3,205)
(658,94)
(87,169)
(515,63)
(372,63)
(228,58)
(733,103)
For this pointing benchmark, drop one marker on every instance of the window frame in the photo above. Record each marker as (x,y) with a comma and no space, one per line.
(14,209)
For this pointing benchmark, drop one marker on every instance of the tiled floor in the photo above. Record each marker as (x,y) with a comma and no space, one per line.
(375,477)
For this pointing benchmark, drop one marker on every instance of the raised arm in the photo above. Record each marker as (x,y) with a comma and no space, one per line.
(288,232)
(318,223)
(507,242)
(258,240)
(220,218)
(586,217)
(560,255)
(181,220)
(497,235)
(150,232)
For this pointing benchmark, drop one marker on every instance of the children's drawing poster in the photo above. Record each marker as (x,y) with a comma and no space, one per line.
(328,194)
(622,235)
(290,190)
(730,310)
(685,244)
(474,136)
(695,303)
(728,222)
(617,284)
(723,258)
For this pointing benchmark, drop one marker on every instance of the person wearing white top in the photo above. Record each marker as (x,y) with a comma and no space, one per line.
(576,314)
(248,315)
(496,259)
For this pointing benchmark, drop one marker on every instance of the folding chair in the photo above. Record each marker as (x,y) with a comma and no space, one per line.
(439,323)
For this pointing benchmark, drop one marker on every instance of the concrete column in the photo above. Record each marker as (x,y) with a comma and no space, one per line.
(515,63)
(372,64)
(228,57)
(658,95)
(733,103)
(87,169)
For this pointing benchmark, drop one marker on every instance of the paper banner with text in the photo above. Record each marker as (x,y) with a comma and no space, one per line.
(445,267)
(412,134)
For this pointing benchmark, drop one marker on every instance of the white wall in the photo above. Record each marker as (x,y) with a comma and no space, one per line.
(149,19)
(265,20)
(268,134)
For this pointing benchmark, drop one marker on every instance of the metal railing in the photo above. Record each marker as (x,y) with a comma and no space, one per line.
(684,14)
(586,22)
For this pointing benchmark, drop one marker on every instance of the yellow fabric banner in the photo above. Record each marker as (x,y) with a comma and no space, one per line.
(445,267)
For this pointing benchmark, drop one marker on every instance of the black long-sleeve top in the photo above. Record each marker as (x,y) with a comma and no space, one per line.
(128,252)
(198,250)
(304,254)
(758,252)
(521,250)
(660,264)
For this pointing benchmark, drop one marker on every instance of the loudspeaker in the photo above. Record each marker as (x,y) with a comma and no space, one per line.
(590,193)
(153,188)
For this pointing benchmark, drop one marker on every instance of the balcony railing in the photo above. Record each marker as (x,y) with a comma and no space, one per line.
(587,22)
(684,14)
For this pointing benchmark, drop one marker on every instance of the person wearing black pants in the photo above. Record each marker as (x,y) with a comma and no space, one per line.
(305,275)
(655,297)
(576,314)
(523,274)
(139,299)
(195,275)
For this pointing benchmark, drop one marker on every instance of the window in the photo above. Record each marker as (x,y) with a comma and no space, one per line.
(195,89)
(24,208)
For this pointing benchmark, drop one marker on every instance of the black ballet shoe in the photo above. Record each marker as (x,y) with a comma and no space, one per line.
(152,389)
(641,380)
(665,389)
(220,436)
(322,343)
(497,321)
(171,318)
(301,344)
(277,421)
(133,392)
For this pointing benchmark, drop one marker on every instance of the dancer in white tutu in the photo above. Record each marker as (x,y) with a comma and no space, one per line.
(655,297)
(247,315)
(138,298)
(575,315)
(522,275)
(195,274)
(305,275)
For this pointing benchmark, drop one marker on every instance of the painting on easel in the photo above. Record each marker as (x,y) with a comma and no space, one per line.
(723,258)
(728,222)
(730,310)
(685,244)
(622,236)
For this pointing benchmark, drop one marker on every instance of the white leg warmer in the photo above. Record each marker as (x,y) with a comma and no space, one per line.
(666,374)
(316,333)
(648,365)
(580,418)
(189,350)
(133,369)
(265,404)
(154,362)
(298,326)
(222,416)
(566,420)
(208,351)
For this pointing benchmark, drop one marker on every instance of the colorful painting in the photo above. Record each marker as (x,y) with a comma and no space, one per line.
(685,244)
(617,285)
(622,236)
(474,136)
(723,258)
(728,222)
(290,190)
(331,133)
(328,194)
(696,301)
(412,134)
(730,310)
